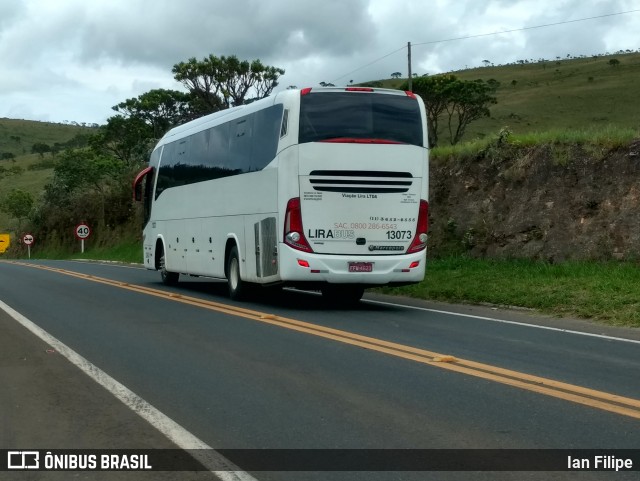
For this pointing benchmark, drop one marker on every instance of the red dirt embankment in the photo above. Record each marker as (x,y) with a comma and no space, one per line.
(552,202)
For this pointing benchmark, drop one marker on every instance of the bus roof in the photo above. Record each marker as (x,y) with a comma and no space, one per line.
(226,115)
(213,119)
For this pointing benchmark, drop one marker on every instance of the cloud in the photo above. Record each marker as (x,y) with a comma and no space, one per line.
(165,32)
(74,56)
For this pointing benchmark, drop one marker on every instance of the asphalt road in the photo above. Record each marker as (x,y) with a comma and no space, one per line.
(288,372)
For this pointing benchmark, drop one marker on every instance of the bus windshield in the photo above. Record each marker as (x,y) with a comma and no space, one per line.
(360,117)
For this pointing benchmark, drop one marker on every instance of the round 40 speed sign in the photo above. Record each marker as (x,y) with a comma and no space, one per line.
(82,231)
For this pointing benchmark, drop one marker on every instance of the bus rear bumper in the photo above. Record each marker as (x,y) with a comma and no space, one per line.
(297,266)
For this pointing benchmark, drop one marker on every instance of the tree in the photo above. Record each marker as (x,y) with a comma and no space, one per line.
(127,139)
(18,204)
(40,148)
(140,122)
(160,109)
(433,90)
(614,62)
(218,83)
(396,75)
(459,102)
(84,172)
(83,168)
(468,101)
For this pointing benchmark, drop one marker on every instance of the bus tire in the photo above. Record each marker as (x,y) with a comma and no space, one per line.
(168,278)
(342,295)
(238,289)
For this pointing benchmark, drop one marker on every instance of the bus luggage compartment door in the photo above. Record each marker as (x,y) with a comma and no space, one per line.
(266,247)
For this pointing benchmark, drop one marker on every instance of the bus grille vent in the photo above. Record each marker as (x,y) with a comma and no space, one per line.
(361,181)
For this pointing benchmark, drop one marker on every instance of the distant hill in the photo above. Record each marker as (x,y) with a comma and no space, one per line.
(560,94)
(19,168)
(18,136)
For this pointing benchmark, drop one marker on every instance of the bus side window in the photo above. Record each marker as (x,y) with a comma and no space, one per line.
(240,140)
(268,123)
(285,123)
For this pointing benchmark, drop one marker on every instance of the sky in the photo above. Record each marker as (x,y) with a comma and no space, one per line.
(73,60)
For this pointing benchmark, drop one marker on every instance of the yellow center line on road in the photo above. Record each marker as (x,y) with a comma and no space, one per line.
(589,397)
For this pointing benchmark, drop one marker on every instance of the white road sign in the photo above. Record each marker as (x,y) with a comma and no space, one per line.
(28,239)
(82,231)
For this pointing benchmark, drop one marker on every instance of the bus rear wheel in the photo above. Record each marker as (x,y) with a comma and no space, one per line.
(341,294)
(238,289)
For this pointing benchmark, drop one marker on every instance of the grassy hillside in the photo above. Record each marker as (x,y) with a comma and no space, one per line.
(17,137)
(567,94)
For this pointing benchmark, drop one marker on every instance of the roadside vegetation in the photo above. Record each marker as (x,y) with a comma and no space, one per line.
(127,251)
(68,173)
(603,291)
(600,139)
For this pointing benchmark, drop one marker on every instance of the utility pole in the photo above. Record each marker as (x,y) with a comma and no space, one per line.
(409,62)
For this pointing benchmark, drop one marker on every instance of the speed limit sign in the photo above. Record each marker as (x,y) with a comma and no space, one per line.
(82,231)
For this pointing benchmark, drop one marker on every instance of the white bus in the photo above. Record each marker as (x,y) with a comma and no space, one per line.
(319,188)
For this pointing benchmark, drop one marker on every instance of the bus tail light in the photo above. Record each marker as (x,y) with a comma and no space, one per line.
(420,239)
(293,231)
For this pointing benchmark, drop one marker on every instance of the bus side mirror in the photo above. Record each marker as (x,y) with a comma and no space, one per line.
(137,192)
(138,184)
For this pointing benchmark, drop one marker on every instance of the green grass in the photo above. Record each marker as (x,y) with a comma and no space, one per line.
(128,251)
(598,138)
(564,94)
(606,292)
(557,95)
(18,136)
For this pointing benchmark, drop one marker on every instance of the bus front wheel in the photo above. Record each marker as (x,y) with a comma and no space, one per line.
(238,288)
(168,278)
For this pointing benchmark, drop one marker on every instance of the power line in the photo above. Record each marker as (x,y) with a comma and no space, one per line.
(527,28)
(370,63)
(487,35)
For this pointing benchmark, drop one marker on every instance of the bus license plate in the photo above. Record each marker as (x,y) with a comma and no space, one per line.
(360,266)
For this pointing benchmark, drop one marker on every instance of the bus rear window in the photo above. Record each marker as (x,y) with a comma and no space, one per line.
(326,116)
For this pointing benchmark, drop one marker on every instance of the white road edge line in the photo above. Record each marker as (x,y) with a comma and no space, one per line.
(172,430)
(504,321)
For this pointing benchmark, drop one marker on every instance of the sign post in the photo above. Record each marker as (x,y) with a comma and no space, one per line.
(82,232)
(28,239)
